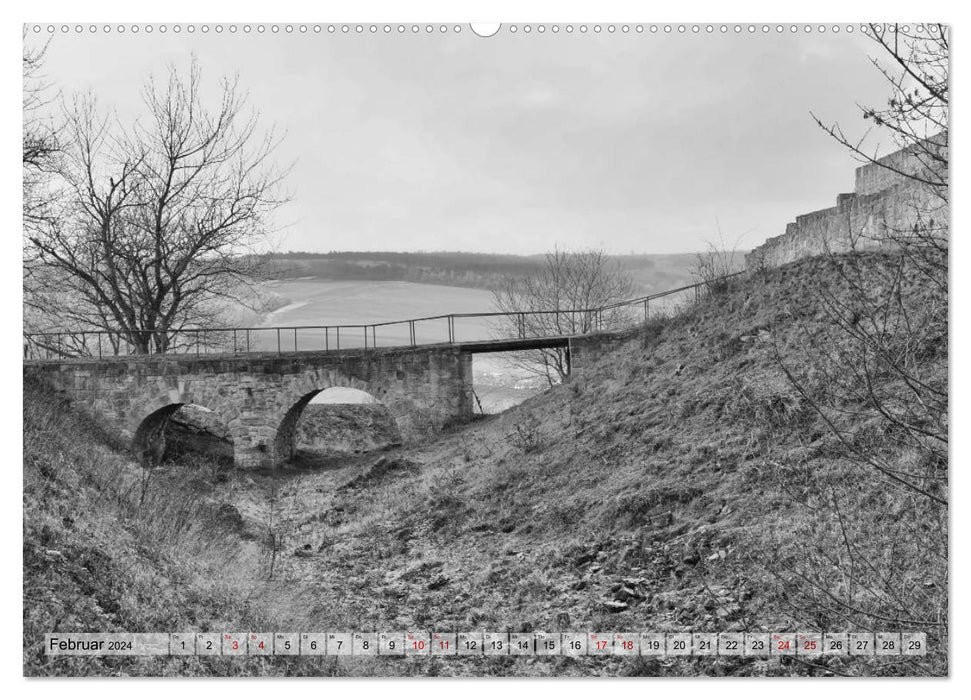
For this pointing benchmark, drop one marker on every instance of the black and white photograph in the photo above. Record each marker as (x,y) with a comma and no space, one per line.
(485,349)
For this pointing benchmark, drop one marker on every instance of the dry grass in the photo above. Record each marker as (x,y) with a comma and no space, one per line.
(681,473)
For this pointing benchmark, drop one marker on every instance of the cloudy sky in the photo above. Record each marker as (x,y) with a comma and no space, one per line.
(649,143)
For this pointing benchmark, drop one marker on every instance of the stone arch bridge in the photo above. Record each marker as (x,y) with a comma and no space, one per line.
(260,396)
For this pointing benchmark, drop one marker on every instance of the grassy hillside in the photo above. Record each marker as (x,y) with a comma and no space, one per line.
(683,483)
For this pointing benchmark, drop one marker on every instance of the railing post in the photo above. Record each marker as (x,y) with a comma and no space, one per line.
(451,328)
(278,341)
(338,337)
(326,337)
(247,340)
(99,345)
(365,337)
(235,348)
(294,338)
(411,330)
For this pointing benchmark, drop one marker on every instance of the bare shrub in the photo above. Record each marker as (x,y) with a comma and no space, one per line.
(527,436)
(872,548)
(714,266)
(565,298)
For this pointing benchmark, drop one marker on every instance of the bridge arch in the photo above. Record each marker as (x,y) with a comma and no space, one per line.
(149,411)
(303,389)
(151,438)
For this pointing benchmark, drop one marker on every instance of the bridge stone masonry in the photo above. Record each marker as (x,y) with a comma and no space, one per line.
(260,397)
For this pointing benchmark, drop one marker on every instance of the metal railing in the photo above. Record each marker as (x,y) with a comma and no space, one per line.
(413,332)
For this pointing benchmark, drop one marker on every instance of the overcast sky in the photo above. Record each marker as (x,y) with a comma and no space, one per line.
(516,143)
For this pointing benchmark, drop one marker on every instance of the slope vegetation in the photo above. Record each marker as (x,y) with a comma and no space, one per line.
(685,482)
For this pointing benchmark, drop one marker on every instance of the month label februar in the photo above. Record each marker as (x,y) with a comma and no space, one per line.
(106,644)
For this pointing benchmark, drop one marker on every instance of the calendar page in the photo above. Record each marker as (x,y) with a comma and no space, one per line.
(446,348)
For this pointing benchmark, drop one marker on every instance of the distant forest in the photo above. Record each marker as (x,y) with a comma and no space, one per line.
(651,273)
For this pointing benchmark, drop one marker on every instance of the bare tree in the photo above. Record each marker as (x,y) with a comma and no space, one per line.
(41,152)
(160,220)
(566,298)
(41,143)
(877,375)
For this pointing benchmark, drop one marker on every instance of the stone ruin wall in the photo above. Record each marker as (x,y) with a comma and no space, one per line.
(883,201)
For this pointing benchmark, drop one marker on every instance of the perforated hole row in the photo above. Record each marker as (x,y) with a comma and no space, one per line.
(931,29)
